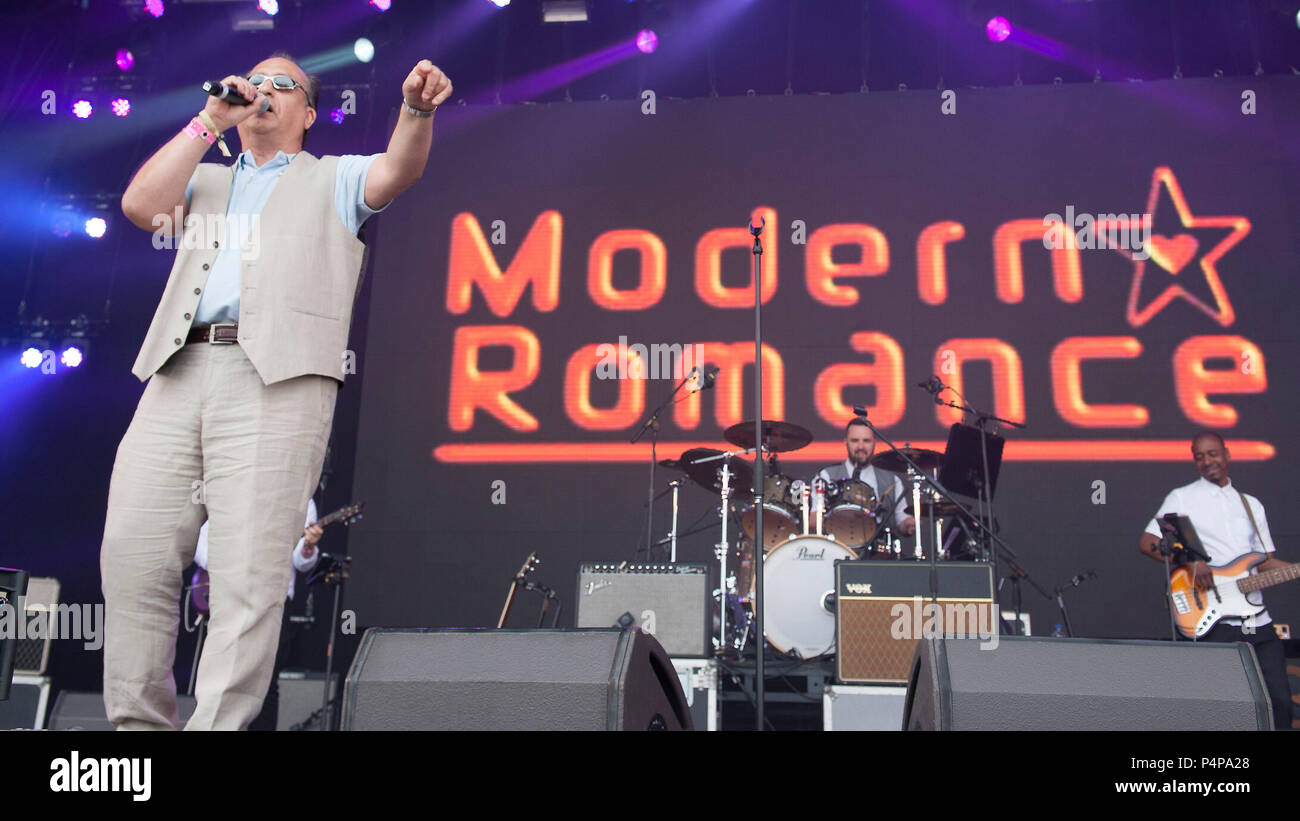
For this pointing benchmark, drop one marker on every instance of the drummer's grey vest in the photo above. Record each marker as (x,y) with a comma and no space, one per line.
(884,478)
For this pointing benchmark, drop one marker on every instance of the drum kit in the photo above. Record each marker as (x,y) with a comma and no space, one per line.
(807,527)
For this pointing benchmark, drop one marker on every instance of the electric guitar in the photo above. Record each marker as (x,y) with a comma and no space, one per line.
(200,583)
(1196,611)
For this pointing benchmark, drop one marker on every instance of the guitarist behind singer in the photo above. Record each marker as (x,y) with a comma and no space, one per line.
(1227,531)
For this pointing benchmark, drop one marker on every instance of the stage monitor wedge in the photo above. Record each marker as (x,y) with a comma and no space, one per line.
(1085,684)
(458,679)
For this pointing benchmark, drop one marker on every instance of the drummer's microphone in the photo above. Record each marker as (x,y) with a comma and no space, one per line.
(933,385)
(858,410)
(708,375)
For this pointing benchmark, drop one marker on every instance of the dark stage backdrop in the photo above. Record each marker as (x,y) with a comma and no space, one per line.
(901,241)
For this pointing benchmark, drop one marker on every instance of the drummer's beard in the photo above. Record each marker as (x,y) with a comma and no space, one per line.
(859,462)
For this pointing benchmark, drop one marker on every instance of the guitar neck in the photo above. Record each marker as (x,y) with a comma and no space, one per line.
(1269,578)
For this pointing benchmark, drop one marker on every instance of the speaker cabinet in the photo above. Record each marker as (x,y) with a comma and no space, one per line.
(1085,684)
(884,609)
(412,679)
(86,711)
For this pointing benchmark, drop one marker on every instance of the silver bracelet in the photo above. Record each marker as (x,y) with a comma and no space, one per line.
(416,112)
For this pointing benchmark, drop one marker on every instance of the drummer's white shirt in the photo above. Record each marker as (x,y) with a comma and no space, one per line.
(869,476)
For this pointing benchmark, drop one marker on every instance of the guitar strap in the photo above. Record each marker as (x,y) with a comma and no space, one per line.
(1251,514)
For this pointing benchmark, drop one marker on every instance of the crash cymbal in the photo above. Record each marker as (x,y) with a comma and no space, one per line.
(706,474)
(942,507)
(778,437)
(925,459)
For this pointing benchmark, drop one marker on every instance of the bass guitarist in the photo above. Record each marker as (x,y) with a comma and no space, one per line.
(1230,524)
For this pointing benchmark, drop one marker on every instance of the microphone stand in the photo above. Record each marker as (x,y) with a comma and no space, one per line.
(933,482)
(652,424)
(986,489)
(759,670)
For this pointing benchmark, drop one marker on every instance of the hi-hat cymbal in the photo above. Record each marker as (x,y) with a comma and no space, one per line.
(778,437)
(706,473)
(925,459)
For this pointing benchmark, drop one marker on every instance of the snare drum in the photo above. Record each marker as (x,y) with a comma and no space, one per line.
(850,505)
(798,582)
(780,517)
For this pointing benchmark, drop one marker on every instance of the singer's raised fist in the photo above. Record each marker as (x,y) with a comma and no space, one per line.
(426,87)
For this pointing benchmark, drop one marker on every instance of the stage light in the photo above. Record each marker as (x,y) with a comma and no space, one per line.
(336,116)
(96,227)
(31,357)
(154,7)
(382,5)
(121,107)
(998,29)
(647,41)
(82,109)
(564,11)
(500,3)
(269,6)
(125,59)
(61,226)
(364,50)
(72,356)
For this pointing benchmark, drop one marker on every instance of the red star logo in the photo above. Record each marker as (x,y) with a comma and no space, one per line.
(1174,253)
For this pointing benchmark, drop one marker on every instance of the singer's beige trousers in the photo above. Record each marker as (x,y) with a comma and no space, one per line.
(208,441)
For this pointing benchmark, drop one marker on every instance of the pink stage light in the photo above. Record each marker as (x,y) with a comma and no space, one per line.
(647,41)
(998,29)
(125,59)
(82,109)
(154,7)
(121,107)
(382,5)
(269,6)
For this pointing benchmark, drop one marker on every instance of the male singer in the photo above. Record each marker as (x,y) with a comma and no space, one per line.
(243,360)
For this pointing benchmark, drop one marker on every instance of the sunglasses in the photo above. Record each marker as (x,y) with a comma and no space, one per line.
(283,82)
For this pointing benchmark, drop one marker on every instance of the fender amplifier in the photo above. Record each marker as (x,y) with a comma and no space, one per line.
(884,608)
(668,601)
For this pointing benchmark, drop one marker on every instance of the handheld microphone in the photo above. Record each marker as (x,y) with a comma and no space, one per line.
(218,89)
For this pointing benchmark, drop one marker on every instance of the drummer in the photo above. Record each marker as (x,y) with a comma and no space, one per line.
(860,444)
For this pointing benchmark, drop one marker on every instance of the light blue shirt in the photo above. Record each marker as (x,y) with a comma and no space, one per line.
(249,192)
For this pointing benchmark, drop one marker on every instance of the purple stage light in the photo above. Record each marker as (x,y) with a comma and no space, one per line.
(31,358)
(382,5)
(647,41)
(82,109)
(61,227)
(95,227)
(121,107)
(337,115)
(125,59)
(72,356)
(998,29)
(269,6)
(154,7)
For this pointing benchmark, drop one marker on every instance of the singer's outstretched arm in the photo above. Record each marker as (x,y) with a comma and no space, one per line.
(424,89)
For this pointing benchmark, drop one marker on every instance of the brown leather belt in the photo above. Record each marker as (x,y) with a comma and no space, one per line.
(219,333)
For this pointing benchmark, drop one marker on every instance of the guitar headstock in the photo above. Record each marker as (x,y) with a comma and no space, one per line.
(529,565)
(346,515)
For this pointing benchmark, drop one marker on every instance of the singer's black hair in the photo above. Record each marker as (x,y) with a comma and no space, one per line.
(312,86)
(1208,434)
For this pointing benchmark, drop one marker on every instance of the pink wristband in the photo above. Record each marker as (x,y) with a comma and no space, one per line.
(197,130)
